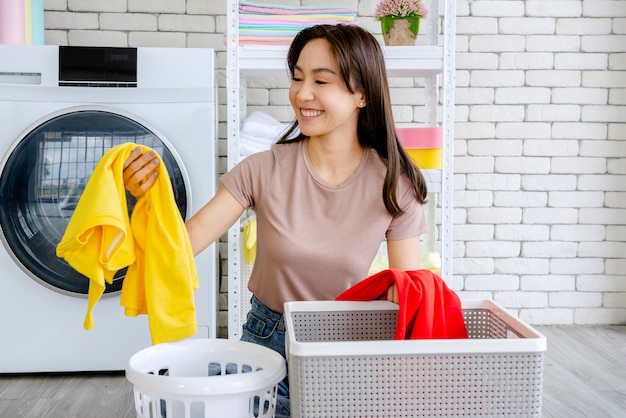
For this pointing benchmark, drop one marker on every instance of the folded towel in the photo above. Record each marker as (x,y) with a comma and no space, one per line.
(259,132)
(261,21)
(276,31)
(275,24)
(285,9)
(262,125)
(250,145)
(280,28)
(262,42)
(285,40)
(255,33)
(249,149)
(311,14)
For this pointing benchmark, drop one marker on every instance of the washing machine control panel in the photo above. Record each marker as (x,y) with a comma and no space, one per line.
(81,66)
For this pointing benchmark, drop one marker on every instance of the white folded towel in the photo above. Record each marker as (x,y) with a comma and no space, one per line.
(259,132)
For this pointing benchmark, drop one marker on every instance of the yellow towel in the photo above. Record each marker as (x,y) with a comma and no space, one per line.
(431,261)
(249,241)
(100,239)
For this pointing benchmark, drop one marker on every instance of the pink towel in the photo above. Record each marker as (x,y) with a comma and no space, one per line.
(280,11)
(264,42)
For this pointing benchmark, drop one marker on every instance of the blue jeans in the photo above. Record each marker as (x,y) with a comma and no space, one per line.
(266,327)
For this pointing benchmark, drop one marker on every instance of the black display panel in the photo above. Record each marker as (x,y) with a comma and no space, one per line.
(97,66)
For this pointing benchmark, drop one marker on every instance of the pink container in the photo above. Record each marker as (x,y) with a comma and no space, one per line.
(423,146)
(12,22)
(419,137)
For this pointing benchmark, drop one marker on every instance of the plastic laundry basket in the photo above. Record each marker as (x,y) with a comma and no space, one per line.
(201,378)
(344,362)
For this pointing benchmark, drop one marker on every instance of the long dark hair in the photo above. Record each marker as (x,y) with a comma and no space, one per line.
(362,66)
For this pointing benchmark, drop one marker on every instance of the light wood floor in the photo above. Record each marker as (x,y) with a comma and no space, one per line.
(585,376)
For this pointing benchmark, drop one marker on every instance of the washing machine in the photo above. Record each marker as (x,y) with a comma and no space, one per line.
(61,109)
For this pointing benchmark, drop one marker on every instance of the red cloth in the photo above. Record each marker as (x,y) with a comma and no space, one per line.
(428,308)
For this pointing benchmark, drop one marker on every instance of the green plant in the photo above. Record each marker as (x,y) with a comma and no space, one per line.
(400,8)
(387,11)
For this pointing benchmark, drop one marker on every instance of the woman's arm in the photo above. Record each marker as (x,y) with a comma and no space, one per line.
(208,224)
(403,255)
(213,220)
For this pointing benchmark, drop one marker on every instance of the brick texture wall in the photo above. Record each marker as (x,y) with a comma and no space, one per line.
(540,158)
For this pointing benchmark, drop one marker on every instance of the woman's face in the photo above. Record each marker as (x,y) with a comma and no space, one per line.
(323,104)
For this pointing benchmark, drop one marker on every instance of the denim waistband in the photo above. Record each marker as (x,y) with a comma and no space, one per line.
(260,308)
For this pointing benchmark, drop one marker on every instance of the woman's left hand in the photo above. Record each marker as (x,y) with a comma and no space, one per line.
(392,294)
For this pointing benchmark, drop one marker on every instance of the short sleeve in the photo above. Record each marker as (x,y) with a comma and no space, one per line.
(412,222)
(245,180)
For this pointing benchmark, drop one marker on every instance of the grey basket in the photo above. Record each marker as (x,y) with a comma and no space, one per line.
(343,362)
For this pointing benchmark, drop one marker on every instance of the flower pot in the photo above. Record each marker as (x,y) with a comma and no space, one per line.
(400,30)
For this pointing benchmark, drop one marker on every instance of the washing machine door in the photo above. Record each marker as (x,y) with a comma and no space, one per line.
(44,175)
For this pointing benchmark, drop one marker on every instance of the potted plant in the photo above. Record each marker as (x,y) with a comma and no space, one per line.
(400,20)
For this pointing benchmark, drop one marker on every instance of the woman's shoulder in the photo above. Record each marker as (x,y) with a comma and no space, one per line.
(276,153)
(260,157)
(379,165)
(285,153)
(287,147)
(376,162)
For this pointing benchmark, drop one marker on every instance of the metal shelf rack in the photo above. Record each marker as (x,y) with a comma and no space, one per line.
(434,62)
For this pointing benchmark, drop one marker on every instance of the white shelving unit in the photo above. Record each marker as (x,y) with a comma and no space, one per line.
(434,62)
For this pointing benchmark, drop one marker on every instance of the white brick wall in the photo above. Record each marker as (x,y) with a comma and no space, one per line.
(540,183)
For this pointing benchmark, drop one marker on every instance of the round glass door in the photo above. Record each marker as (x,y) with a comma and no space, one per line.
(45,175)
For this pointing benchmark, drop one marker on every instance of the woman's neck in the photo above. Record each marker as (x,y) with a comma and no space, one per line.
(335,161)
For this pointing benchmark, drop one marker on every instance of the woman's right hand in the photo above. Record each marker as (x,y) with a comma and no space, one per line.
(140,171)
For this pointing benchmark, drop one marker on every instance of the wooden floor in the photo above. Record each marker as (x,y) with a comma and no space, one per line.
(585,376)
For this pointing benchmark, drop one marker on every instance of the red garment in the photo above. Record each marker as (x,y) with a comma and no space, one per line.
(428,308)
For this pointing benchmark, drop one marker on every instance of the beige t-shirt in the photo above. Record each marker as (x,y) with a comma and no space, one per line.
(315,240)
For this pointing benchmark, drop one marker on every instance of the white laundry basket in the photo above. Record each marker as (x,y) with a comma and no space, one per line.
(201,378)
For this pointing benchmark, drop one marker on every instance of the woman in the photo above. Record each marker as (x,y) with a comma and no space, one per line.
(324,199)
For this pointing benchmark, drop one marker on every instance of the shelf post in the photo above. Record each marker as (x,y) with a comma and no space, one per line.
(233,115)
(447,174)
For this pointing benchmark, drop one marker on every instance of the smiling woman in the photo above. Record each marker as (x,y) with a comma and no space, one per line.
(313,193)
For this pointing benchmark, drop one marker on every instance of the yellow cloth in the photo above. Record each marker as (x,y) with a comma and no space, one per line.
(249,241)
(100,239)
(428,261)
(431,261)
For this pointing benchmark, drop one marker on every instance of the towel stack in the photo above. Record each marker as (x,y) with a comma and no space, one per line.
(270,24)
(259,132)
